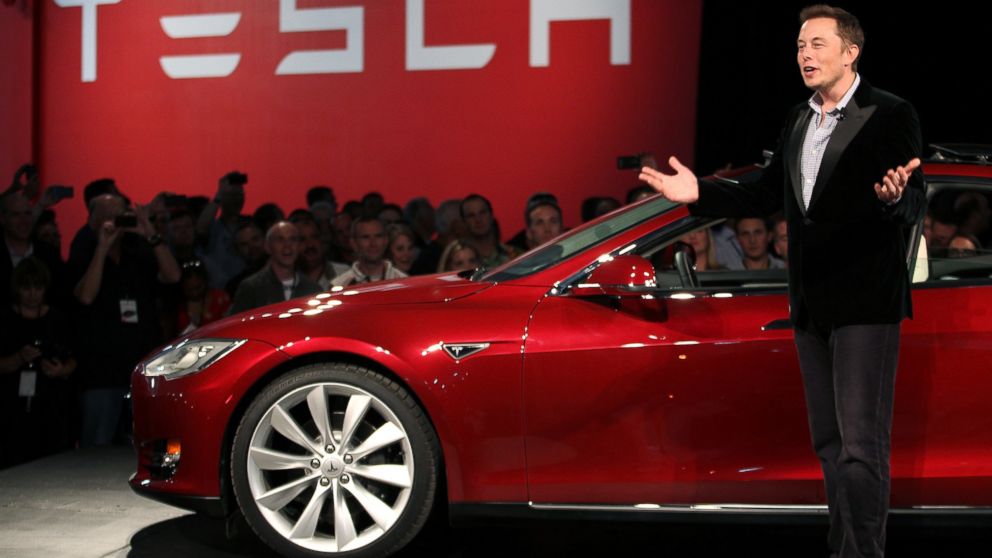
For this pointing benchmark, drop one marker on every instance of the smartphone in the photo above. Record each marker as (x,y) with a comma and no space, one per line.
(625,162)
(61,192)
(126,221)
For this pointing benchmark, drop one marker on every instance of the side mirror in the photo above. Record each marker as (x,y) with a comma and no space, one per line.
(624,276)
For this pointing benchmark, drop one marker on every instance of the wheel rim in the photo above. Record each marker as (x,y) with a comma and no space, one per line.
(330,467)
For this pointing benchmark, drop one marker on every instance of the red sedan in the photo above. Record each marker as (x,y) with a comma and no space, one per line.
(603,374)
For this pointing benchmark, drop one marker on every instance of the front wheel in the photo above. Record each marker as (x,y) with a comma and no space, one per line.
(334,460)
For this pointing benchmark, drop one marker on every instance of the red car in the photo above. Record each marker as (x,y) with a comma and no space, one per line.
(598,375)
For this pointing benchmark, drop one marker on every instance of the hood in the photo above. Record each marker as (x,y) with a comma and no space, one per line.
(412,290)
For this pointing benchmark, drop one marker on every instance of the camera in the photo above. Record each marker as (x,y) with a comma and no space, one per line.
(625,162)
(126,221)
(61,192)
(53,351)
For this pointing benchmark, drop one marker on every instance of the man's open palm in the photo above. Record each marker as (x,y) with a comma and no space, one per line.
(681,187)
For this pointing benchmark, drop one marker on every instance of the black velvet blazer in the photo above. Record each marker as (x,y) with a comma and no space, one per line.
(847,252)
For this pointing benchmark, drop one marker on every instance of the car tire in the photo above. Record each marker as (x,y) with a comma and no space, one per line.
(368,494)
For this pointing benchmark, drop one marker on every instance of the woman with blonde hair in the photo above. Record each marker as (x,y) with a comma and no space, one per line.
(402,250)
(702,244)
(458,256)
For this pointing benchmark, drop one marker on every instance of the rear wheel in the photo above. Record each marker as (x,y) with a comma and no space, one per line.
(334,460)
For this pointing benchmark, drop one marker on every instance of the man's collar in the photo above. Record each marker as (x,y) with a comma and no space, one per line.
(10,249)
(386,266)
(816,102)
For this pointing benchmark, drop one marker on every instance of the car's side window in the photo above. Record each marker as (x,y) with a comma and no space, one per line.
(957,233)
(722,254)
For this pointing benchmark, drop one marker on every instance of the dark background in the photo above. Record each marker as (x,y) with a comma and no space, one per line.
(934,54)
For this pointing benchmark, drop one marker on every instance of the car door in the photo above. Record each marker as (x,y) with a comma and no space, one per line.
(942,432)
(681,396)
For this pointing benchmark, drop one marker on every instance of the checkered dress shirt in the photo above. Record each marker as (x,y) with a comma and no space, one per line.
(818,134)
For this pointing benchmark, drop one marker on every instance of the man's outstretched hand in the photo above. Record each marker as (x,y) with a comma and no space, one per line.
(894,182)
(681,187)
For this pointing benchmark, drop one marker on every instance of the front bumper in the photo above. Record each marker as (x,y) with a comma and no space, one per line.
(181,427)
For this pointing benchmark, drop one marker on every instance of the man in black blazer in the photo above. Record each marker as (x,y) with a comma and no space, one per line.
(845,172)
(279,280)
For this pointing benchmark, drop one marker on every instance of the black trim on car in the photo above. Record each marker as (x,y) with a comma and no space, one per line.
(464,514)
(211,506)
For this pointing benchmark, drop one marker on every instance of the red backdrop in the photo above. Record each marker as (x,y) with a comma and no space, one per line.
(504,130)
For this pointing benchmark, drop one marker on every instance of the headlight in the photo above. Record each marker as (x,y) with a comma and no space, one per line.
(189,357)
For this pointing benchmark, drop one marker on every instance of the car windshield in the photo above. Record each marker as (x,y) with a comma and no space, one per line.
(578,240)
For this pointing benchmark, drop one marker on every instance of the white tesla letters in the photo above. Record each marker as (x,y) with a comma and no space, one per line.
(350,19)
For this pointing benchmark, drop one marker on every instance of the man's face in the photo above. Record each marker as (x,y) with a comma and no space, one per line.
(106,208)
(323,213)
(823,56)
(249,244)
(369,242)
(232,198)
(781,239)
(311,246)
(283,244)
(961,247)
(181,231)
(31,296)
(390,215)
(16,217)
(49,234)
(942,233)
(545,224)
(478,218)
(753,237)
(342,230)
(193,286)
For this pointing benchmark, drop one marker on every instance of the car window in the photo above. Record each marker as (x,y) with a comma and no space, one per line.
(957,232)
(579,240)
(716,254)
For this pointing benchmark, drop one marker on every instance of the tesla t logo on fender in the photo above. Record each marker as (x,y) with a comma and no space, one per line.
(458,351)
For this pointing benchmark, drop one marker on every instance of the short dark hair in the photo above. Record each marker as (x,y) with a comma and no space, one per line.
(301,216)
(99,187)
(764,221)
(248,223)
(540,199)
(636,191)
(366,219)
(29,272)
(848,26)
(353,208)
(472,197)
(320,193)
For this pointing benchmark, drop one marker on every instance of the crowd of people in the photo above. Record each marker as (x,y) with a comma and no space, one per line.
(139,275)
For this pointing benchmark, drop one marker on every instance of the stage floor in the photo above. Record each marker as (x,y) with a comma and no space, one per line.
(78,504)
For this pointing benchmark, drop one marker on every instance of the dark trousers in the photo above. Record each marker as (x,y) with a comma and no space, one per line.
(849,377)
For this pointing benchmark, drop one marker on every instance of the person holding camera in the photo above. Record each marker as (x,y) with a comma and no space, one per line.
(216,233)
(36,362)
(117,290)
